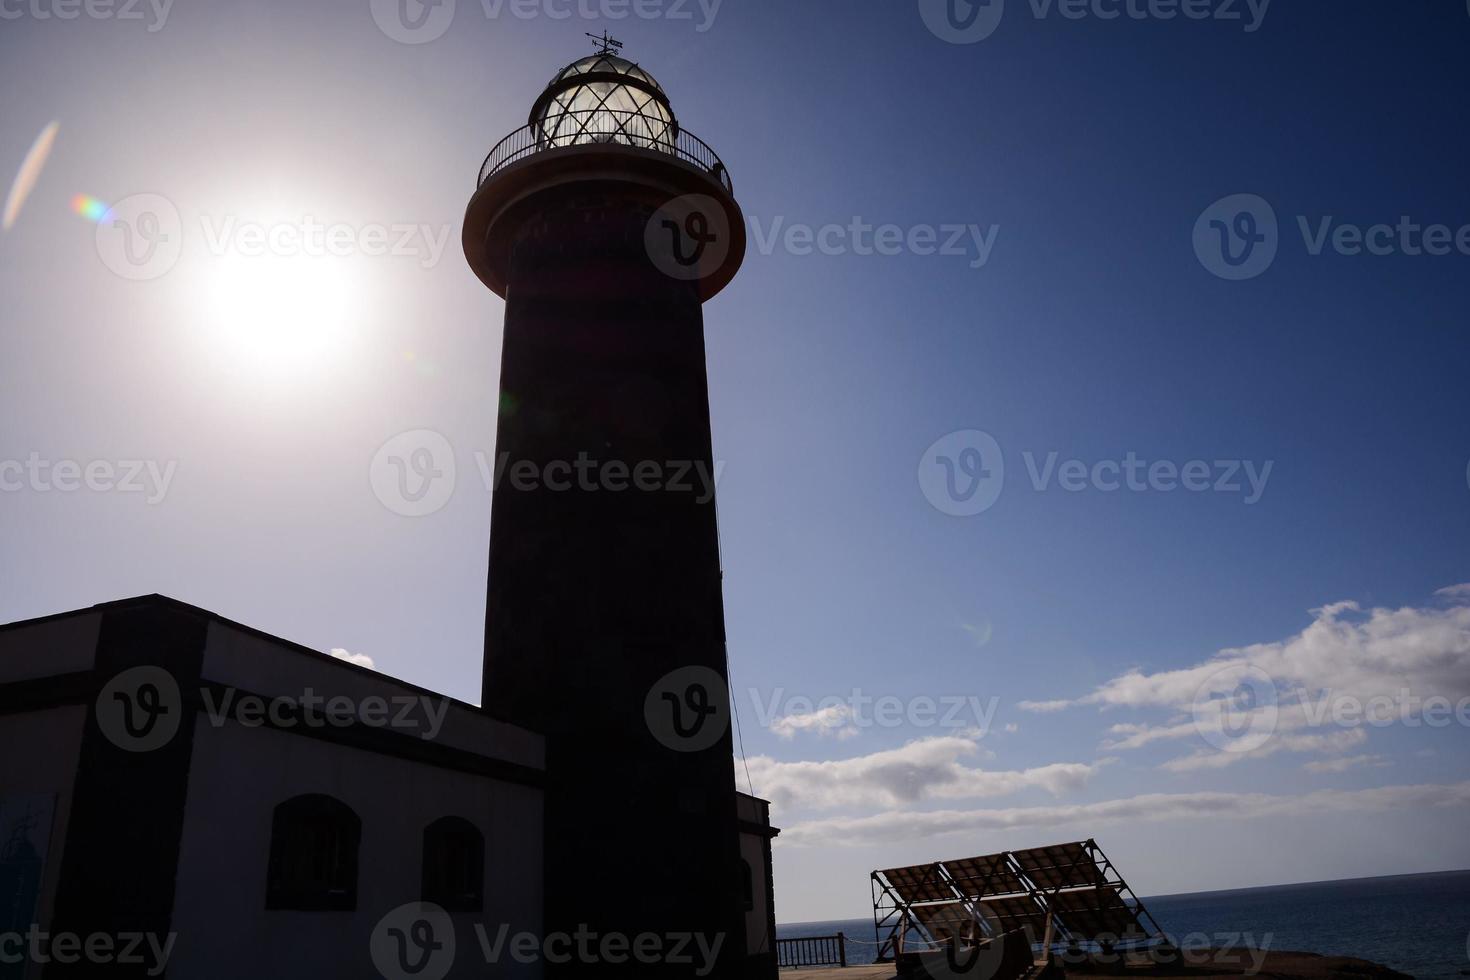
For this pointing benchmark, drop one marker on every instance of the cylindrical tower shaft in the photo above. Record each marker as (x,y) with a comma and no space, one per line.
(604,618)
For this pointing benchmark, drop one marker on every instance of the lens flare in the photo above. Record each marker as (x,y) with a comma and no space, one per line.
(29,173)
(89,207)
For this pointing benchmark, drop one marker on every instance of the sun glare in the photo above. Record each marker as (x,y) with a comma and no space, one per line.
(279,312)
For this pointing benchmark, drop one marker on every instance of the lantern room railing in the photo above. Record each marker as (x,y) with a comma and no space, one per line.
(594,126)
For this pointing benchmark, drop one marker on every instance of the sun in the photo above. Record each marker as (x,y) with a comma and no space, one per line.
(277,312)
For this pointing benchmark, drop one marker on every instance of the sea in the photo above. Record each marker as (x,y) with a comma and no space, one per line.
(1416,924)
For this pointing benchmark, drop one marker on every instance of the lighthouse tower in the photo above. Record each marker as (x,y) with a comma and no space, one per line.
(605,225)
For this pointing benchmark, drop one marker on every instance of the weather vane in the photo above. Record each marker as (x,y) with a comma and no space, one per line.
(605,44)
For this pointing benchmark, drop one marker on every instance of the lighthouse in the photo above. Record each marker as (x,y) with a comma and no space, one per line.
(605,226)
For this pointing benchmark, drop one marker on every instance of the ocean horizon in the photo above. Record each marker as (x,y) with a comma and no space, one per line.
(1418,924)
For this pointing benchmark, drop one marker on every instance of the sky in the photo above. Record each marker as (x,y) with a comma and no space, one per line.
(1101,500)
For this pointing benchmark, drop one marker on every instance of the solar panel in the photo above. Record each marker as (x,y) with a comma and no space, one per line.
(1074,884)
(1092,913)
(919,883)
(1009,912)
(949,920)
(1060,866)
(989,875)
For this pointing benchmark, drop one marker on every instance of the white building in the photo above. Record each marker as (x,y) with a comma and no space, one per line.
(183,791)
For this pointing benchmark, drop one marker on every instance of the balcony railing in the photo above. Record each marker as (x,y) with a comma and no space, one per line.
(812,951)
(594,126)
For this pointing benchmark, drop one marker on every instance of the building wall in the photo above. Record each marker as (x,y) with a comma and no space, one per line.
(756,834)
(38,764)
(239,775)
(42,746)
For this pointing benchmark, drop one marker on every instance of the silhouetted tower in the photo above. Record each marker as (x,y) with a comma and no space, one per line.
(605,226)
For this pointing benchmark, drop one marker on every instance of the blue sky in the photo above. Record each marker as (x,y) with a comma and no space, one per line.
(1086,149)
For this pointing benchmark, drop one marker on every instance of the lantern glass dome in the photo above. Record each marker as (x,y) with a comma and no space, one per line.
(605,99)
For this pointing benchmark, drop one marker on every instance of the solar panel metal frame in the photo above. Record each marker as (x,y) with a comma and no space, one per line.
(919,883)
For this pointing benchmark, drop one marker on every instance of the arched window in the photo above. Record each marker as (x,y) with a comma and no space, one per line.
(454,865)
(747,884)
(313,862)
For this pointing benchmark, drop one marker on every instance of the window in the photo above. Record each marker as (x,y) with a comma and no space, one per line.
(747,884)
(454,865)
(313,862)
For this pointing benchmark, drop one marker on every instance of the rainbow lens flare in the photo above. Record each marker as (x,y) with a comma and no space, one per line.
(89,207)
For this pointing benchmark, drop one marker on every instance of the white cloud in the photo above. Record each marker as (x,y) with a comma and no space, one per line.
(832,720)
(980,634)
(1346,657)
(361,659)
(1045,706)
(1338,741)
(925,769)
(908,825)
(1346,762)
